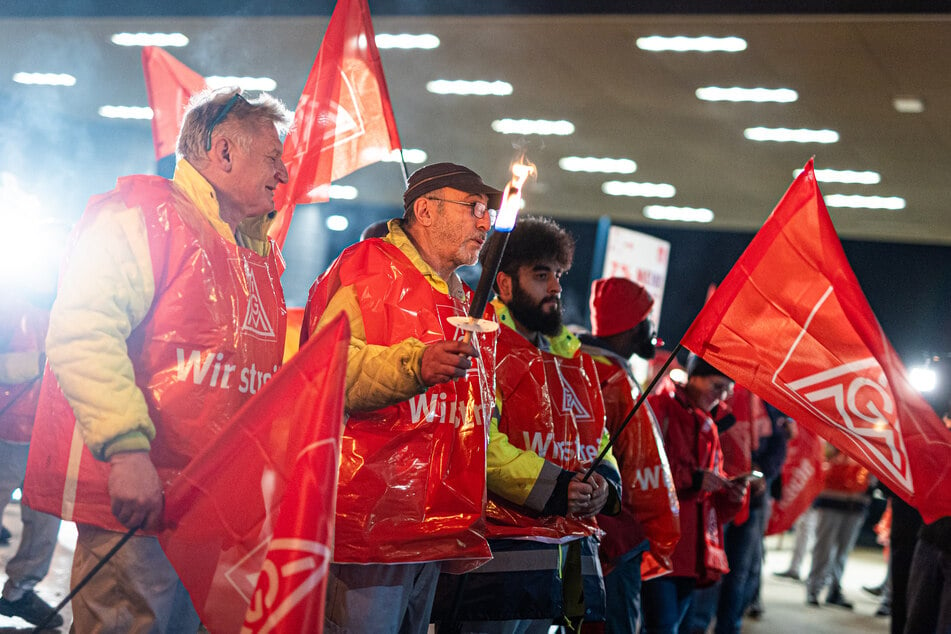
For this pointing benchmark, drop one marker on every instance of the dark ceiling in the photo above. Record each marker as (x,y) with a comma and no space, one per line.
(563,65)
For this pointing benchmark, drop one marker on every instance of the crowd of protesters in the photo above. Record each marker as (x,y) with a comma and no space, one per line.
(489,481)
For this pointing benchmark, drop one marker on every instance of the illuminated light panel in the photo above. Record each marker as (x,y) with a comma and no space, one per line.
(410,155)
(756,95)
(595,164)
(337,223)
(850,177)
(923,379)
(125,112)
(789,135)
(684,43)
(343,192)
(853,201)
(466,87)
(407,40)
(336,192)
(644,190)
(44,79)
(265,84)
(533,126)
(680,214)
(908,105)
(150,39)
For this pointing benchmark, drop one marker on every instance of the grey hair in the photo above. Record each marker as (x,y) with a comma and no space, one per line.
(204,107)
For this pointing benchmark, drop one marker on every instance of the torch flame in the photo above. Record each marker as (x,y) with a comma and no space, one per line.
(512,196)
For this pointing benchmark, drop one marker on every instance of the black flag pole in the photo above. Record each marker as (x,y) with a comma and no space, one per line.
(630,415)
(85,580)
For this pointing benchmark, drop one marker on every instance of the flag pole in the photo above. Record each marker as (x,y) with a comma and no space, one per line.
(630,415)
(403,165)
(85,580)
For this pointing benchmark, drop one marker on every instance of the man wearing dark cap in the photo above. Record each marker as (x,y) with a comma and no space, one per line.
(707,498)
(621,327)
(412,468)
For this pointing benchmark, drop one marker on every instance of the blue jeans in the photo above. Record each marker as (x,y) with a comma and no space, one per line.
(380,599)
(622,588)
(703,607)
(728,598)
(741,552)
(665,601)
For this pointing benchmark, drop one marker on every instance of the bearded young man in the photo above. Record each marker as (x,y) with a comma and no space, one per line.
(540,512)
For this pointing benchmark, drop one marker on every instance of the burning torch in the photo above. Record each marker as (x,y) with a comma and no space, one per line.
(504,223)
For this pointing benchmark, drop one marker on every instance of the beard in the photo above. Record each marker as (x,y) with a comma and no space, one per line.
(534,316)
(644,339)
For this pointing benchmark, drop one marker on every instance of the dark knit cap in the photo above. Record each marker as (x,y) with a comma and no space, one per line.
(438,175)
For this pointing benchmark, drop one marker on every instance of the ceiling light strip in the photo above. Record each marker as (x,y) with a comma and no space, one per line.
(684,43)
(467,87)
(851,177)
(425,41)
(789,135)
(410,155)
(678,214)
(853,201)
(150,39)
(533,126)
(645,190)
(594,164)
(265,84)
(125,112)
(44,79)
(755,95)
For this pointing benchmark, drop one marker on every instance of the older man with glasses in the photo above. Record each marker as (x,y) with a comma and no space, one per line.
(412,467)
(162,275)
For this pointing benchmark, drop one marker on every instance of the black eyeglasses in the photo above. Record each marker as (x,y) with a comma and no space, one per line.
(221,116)
(478,209)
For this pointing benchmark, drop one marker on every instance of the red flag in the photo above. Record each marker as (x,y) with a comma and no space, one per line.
(170,84)
(791,324)
(802,480)
(273,470)
(344,119)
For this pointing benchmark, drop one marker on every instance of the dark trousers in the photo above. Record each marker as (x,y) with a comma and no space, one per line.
(665,602)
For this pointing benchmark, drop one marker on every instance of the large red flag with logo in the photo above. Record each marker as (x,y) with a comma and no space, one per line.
(791,324)
(169,84)
(272,472)
(344,119)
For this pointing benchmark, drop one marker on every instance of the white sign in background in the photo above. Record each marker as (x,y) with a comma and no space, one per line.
(643,259)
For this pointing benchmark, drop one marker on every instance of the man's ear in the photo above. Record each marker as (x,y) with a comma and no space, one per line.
(504,283)
(424,210)
(222,154)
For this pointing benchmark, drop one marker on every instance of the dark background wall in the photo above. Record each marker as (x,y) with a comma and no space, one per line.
(907,286)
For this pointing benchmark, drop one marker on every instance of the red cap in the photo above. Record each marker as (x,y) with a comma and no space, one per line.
(617,304)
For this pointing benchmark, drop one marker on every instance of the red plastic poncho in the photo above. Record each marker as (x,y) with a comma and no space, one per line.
(551,405)
(649,506)
(412,475)
(214,335)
